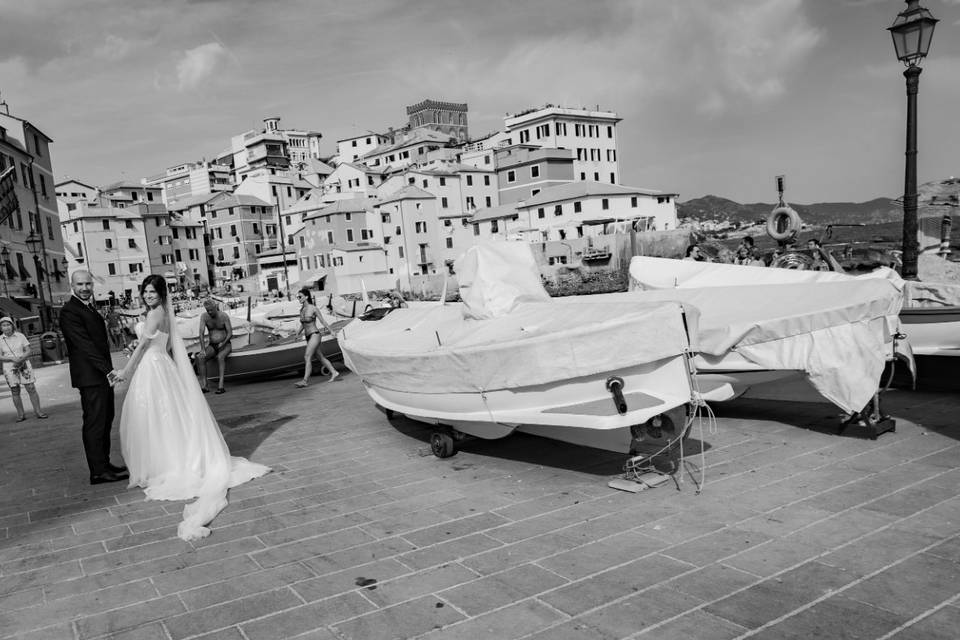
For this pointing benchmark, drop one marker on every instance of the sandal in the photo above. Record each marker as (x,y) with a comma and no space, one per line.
(204,390)
(42,416)
(301,384)
(220,390)
(21,418)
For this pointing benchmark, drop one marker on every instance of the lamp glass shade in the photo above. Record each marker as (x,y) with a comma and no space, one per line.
(912,33)
(33,242)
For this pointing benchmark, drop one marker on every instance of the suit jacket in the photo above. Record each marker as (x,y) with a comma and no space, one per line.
(85,333)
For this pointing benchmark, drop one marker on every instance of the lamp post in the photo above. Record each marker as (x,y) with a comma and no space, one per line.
(34,243)
(4,256)
(912,32)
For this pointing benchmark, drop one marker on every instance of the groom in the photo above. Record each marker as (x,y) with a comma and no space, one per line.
(89,350)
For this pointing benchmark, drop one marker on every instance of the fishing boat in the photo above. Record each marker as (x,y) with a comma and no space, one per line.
(508,358)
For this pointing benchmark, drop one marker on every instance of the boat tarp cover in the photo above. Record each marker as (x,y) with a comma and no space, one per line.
(495,276)
(435,349)
(834,327)
(667,273)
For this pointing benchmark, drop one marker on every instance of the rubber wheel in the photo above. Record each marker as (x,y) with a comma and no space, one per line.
(441,444)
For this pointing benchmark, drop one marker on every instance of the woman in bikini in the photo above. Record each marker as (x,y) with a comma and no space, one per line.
(309,317)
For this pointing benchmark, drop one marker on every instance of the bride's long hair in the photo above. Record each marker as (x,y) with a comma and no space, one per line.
(159,285)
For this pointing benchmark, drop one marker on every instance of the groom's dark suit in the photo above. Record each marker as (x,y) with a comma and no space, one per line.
(89,349)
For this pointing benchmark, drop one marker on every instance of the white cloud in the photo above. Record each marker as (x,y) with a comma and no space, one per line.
(113,48)
(199,64)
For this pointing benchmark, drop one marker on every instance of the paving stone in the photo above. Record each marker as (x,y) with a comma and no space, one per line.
(516,621)
(21,599)
(351,579)
(230,613)
(153,631)
(696,624)
(499,590)
(448,551)
(638,575)
(360,554)
(632,614)
(241,585)
(413,585)
(306,618)
(836,617)
(773,556)
(310,547)
(518,553)
(597,556)
(784,520)
(130,617)
(404,620)
(911,587)
(715,546)
(843,528)
(712,582)
(48,558)
(941,624)
(780,595)
(877,550)
(454,529)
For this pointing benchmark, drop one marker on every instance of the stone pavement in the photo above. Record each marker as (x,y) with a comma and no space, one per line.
(360,533)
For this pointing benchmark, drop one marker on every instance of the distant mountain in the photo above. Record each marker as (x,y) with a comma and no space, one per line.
(936,198)
(719,209)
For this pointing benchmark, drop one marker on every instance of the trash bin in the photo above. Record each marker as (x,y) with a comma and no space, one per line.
(50,350)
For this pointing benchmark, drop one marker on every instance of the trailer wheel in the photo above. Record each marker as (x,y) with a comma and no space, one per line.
(442,445)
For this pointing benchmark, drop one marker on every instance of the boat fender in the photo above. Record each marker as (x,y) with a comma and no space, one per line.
(786,218)
(615,386)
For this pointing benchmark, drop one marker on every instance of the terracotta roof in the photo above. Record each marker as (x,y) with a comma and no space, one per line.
(345,205)
(495,213)
(409,192)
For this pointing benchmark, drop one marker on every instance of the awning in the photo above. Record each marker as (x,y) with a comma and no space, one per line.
(18,312)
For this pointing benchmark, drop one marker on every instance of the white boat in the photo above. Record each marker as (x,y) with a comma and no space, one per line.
(760,324)
(606,375)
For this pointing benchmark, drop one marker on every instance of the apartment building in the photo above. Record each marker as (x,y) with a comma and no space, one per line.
(412,233)
(72,191)
(30,235)
(523,171)
(111,243)
(447,118)
(127,193)
(353,148)
(191,179)
(272,147)
(591,135)
(239,227)
(407,149)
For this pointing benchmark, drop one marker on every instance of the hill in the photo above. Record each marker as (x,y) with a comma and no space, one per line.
(936,198)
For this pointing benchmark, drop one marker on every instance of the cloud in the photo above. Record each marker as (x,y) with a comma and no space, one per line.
(113,48)
(199,64)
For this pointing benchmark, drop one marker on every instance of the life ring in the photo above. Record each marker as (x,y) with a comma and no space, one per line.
(793,260)
(783,223)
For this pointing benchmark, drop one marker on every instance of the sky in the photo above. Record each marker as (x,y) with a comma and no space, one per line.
(717,97)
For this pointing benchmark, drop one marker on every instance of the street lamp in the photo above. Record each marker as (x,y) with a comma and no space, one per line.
(912,32)
(4,256)
(34,243)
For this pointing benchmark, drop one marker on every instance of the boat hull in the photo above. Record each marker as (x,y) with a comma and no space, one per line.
(579,411)
(932,331)
(281,357)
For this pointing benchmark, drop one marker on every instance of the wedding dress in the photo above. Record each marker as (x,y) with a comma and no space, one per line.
(170,439)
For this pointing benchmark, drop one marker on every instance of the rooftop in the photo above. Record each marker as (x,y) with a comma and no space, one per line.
(584,189)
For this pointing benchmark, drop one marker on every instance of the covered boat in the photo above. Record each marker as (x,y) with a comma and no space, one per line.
(511,358)
(758,323)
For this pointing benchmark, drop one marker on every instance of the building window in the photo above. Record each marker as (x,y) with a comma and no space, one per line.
(486,181)
(535,171)
(233,230)
(131,243)
(541,213)
(577,206)
(449,243)
(469,180)
(111,268)
(534,192)
(346,217)
(421,226)
(108,243)
(400,251)
(443,202)
(633,201)
(609,132)
(470,203)
(448,222)
(443,182)
(488,202)
(558,210)
(494,226)
(613,178)
(424,183)
(596,176)
(330,237)
(511,176)
(605,204)
(106,225)
(236,253)
(476,229)
(349,235)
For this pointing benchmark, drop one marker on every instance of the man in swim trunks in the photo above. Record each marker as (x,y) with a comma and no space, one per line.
(216,328)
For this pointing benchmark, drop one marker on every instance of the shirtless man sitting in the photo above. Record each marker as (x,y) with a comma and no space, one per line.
(216,328)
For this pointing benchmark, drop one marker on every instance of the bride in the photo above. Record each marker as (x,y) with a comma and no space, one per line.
(171,442)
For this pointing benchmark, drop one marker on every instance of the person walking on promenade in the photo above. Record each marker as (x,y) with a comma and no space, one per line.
(15,356)
(169,436)
(215,324)
(310,317)
(90,365)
